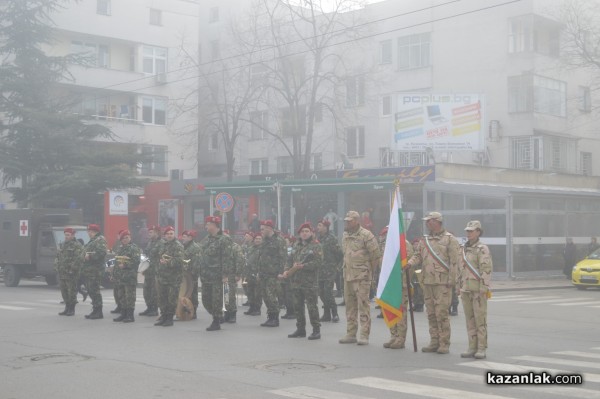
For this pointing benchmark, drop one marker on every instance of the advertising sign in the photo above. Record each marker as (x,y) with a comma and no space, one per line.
(442,122)
(118,204)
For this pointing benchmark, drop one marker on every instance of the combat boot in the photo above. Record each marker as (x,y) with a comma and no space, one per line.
(363,341)
(334,316)
(64,312)
(418,308)
(432,347)
(232,318)
(326,315)
(161,320)
(255,312)
(96,314)
(397,344)
(116,310)
(153,311)
(214,326)
(71,310)
(453,310)
(299,333)
(316,334)
(168,322)
(348,339)
(250,310)
(443,350)
(122,316)
(480,354)
(145,312)
(389,343)
(469,353)
(289,315)
(272,321)
(225,317)
(129,316)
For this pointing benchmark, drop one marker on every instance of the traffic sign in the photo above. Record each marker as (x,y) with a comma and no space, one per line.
(224,202)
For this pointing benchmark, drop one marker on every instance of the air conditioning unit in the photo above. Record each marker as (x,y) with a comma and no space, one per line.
(176,174)
(161,78)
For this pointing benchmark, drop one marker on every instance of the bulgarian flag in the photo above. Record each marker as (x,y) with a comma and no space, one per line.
(389,289)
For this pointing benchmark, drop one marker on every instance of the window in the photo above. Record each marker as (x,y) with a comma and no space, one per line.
(285,165)
(215,50)
(526,153)
(293,122)
(155,17)
(259,167)
(533,33)
(386,105)
(355,141)
(355,91)
(154,160)
(260,123)
(213,142)
(103,7)
(213,15)
(317,161)
(586,163)
(544,152)
(414,51)
(408,158)
(154,110)
(520,93)
(585,99)
(549,96)
(519,35)
(385,52)
(155,60)
(98,55)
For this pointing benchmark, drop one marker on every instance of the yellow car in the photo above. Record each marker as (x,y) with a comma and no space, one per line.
(586,273)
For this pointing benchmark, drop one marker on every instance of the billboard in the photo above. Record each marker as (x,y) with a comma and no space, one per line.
(442,122)
(118,203)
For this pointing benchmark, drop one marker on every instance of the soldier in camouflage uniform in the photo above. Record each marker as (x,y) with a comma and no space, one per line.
(250,273)
(474,279)
(381,240)
(150,284)
(68,264)
(239,264)
(361,257)
(127,260)
(216,265)
(116,293)
(272,258)
(94,263)
(439,255)
(170,270)
(303,272)
(332,259)
(398,330)
(191,253)
(246,245)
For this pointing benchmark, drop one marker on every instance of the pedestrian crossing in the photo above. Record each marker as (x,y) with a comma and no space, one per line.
(550,300)
(470,376)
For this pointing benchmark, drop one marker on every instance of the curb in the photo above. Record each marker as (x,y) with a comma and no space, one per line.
(532,288)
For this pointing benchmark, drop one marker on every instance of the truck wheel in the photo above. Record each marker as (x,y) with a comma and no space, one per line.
(51,280)
(12,276)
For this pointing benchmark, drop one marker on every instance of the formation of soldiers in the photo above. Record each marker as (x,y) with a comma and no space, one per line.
(265,264)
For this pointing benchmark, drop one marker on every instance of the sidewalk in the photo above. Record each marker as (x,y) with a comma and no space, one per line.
(531,283)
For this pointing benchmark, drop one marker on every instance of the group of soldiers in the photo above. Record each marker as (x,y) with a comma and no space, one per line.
(308,271)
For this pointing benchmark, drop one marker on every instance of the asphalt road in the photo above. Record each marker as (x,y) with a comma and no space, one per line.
(45,355)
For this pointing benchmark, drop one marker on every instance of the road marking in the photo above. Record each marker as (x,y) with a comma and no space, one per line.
(579,354)
(577,303)
(304,392)
(417,389)
(519,368)
(558,300)
(36,304)
(500,297)
(480,379)
(565,362)
(6,307)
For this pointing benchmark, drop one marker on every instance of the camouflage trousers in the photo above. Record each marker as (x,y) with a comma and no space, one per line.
(311,298)
(358,307)
(92,278)
(326,295)
(398,330)
(286,296)
(475,308)
(231,297)
(195,291)
(126,293)
(253,292)
(437,301)
(454,301)
(417,298)
(168,295)
(150,291)
(68,288)
(212,298)
(269,290)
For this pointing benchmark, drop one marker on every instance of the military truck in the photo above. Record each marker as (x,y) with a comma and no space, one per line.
(29,239)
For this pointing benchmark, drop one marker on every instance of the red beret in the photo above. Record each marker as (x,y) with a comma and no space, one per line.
(213,219)
(306,225)
(191,233)
(292,239)
(155,228)
(384,231)
(325,222)
(226,231)
(168,228)
(69,230)
(267,223)
(124,233)
(94,227)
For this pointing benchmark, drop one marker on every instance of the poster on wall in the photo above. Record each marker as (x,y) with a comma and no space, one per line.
(168,212)
(442,122)
(117,203)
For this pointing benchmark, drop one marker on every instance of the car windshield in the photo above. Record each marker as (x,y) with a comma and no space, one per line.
(595,254)
(59,236)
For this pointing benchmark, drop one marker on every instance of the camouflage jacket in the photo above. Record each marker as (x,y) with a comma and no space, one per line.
(310,254)
(171,271)
(272,256)
(217,257)
(443,245)
(239,260)
(153,254)
(191,252)
(252,262)
(361,250)
(127,274)
(332,257)
(97,249)
(68,259)
(478,256)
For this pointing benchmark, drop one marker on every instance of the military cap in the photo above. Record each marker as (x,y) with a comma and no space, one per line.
(325,222)
(93,227)
(352,215)
(473,225)
(213,219)
(155,228)
(123,233)
(191,233)
(434,215)
(168,228)
(69,230)
(267,223)
(306,225)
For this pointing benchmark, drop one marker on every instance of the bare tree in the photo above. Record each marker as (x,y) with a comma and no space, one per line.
(581,34)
